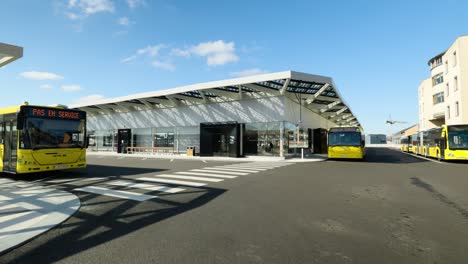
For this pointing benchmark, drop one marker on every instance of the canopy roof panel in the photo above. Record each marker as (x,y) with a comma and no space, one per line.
(317,93)
(9,53)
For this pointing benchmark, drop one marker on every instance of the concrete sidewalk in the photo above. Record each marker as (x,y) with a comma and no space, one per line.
(28,210)
(308,158)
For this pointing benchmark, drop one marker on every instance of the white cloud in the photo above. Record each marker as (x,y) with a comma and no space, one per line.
(89,99)
(248,72)
(124,21)
(46,86)
(73,16)
(80,9)
(135,3)
(180,52)
(164,65)
(129,59)
(35,75)
(149,51)
(216,52)
(71,88)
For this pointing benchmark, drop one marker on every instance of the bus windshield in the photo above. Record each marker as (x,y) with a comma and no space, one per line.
(344,139)
(458,137)
(42,133)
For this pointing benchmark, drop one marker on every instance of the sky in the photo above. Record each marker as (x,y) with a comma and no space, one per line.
(375,51)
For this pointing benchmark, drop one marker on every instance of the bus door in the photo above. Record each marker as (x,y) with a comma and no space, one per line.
(10,146)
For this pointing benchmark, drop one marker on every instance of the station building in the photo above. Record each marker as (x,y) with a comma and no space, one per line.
(443,97)
(266,115)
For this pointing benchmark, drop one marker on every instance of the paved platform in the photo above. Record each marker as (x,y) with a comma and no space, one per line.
(28,210)
(307,158)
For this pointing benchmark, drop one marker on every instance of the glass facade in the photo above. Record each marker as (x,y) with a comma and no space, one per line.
(261,138)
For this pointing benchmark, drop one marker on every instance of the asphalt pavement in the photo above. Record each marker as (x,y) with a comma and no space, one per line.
(390,208)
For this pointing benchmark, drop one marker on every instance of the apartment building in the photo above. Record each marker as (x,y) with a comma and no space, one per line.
(443,98)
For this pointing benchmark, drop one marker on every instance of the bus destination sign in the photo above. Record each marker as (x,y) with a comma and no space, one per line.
(44,112)
(344,129)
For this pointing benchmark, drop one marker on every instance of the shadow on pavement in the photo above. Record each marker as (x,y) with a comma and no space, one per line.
(102,219)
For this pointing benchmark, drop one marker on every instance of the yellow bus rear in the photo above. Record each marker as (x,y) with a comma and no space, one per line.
(37,139)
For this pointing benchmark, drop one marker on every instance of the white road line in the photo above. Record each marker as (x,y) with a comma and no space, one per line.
(176,182)
(145,186)
(120,157)
(172,160)
(206,174)
(66,181)
(114,193)
(219,171)
(242,168)
(94,179)
(183,177)
(144,158)
(204,161)
(261,166)
(237,170)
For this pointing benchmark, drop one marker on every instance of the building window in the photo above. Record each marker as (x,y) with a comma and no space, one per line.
(457,109)
(455,83)
(448,112)
(446,67)
(447,92)
(438,98)
(436,79)
(454,58)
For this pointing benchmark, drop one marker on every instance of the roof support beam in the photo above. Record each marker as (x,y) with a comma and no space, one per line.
(173,100)
(230,96)
(337,113)
(162,102)
(261,88)
(318,93)
(285,86)
(329,106)
(204,97)
(146,103)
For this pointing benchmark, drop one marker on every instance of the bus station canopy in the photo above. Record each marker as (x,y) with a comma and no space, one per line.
(317,93)
(9,53)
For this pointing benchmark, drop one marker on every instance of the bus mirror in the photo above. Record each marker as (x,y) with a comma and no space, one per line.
(20,121)
(87,142)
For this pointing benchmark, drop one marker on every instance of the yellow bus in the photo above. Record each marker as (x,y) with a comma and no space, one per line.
(413,143)
(37,138)
(446,143)
(404,144)
(346,143)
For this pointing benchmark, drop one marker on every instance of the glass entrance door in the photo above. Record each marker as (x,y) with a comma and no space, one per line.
(123,140)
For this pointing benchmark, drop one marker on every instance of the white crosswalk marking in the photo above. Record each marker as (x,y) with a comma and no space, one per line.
(219,171)
(189,178)
(176,182)
(163,182)
(206,174)
(242,168)
(145,186)
(227,169)
(114,193)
